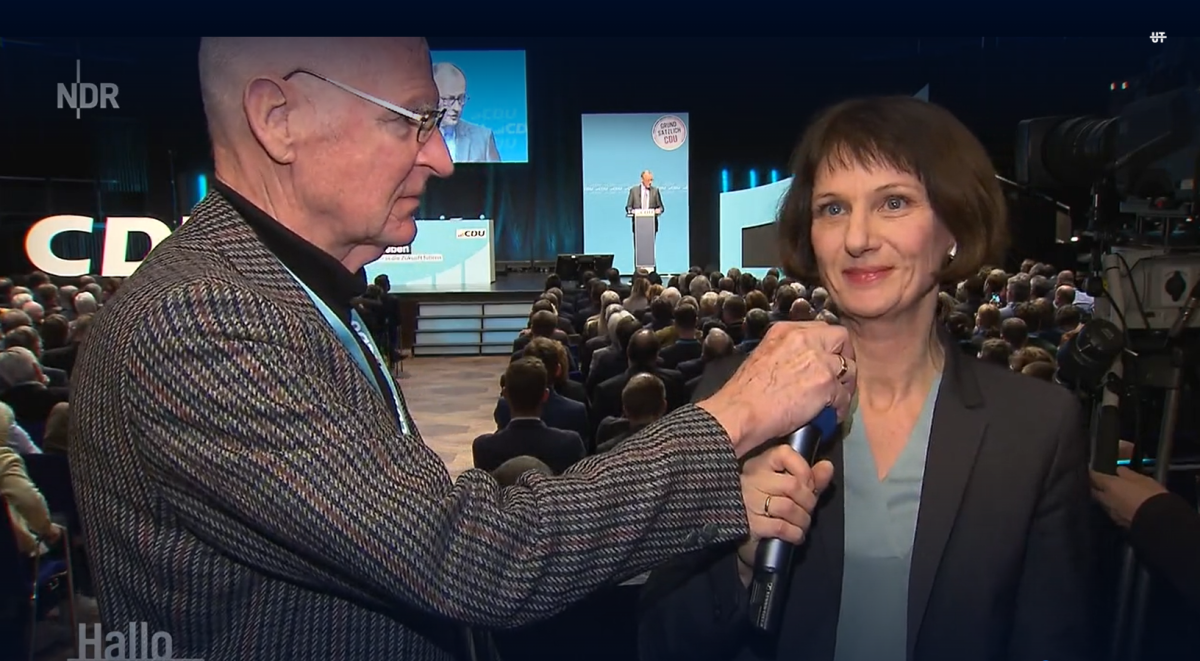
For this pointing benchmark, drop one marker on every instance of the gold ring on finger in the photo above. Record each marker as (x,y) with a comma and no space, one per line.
(767,507)
(844,368)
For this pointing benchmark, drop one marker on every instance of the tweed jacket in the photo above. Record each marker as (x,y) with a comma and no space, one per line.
(244,487)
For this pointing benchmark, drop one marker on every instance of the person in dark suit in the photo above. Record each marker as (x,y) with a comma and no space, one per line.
(27,390)
(909,556)
(754,330)
(785,297)
(247,471)
(558,411)
(526,389)
(687,339)
(643,400)
(717,344)
(645,196)
(612,360)
(63,358)
(643,359)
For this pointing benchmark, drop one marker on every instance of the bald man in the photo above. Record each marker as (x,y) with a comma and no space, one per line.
(249,477)
(467,142)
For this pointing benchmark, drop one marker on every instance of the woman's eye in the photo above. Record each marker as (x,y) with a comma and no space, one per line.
(894,203)
(830,209)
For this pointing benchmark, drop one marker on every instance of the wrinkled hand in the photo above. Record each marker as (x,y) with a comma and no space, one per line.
(785,383)
(1122,494)
(793,488)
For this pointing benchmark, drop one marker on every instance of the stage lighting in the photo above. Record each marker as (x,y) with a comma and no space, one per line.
(774,176)
(724,181)
(754,178)
(201,187)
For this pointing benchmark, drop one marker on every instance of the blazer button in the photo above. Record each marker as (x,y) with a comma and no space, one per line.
(708,534)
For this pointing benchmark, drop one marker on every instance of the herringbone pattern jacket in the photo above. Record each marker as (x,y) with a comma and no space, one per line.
(245,489)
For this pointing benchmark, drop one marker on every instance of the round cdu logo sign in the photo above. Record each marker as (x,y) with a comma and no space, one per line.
(669,132)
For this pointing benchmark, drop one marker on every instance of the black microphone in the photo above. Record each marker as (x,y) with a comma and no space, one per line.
(773,561)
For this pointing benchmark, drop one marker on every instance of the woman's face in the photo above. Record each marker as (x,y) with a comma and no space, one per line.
(877,241)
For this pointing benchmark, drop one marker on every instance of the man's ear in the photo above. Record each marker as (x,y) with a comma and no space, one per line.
(268,112)
(545,394)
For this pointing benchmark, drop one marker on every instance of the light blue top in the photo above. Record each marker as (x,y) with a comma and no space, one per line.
(881,523)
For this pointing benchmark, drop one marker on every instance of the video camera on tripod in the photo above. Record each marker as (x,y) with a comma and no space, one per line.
(1142,169)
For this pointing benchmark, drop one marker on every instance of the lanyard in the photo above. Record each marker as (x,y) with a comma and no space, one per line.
(355,349)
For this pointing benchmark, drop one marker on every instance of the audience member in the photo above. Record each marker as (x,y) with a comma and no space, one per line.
(511,471)
(526,388)
(642,350)
(27,509)
(558,411)
(754,329)
(685,339)
(995,351)
(54,441)
(643,400)
(1014,331)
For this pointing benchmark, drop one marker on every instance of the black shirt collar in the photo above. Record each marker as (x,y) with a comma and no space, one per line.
(317,269)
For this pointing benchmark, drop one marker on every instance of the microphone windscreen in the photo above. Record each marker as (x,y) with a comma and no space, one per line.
(826,421)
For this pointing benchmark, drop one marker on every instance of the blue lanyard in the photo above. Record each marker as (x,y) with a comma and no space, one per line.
(355,349)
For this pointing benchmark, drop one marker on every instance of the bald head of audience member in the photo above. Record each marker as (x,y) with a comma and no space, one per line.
(18,367)
(1065,278)
(643,350)
(644,399)
(1064,295)
(526,387)
(85,303)
(35,311)
(801,310)
(510,472)
(294,126)
(717,345)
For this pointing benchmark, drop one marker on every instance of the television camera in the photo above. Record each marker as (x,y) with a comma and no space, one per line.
(1142,170)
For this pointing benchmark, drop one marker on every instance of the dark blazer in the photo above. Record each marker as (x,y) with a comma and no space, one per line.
(606,400)
(245,487)
(680,351)
(1000,560)
(691,369)
(62,358)
(634,201)
(558,412)
(557,448)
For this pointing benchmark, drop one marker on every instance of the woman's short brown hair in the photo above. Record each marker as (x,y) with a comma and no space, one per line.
(912,136)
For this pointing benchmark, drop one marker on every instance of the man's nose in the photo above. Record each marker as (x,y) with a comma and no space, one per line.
(435,155)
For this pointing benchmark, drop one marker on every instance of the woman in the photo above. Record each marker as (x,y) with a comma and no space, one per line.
(956,529)
(639,296)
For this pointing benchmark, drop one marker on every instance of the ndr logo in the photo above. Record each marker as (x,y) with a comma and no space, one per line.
(113,258)
(84,96)
(470,234)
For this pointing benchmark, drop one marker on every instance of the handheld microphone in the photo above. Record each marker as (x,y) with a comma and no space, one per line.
(773,561)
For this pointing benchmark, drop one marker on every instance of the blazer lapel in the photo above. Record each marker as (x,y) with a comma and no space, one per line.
(959,423)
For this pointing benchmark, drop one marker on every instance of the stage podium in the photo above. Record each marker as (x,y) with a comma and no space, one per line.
(645,230)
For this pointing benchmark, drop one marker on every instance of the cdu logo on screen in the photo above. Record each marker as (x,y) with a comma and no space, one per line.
(470,234)
(79,96)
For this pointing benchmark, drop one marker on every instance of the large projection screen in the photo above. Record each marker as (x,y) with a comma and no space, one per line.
(616,149)
(483,93)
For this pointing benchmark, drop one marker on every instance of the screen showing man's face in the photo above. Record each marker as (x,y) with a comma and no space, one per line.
(452,94)
(647,179)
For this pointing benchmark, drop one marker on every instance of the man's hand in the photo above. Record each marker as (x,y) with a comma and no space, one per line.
(780,492)
(1122,494)
(797,370)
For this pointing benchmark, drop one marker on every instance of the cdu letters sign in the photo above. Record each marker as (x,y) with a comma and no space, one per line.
(113,261)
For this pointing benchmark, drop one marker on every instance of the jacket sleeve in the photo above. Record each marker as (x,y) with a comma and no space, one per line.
(261,456)
(1053,602)
(694,608)
(21,494)
(1166,535)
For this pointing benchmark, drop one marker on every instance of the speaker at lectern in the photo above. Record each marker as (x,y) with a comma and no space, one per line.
(645,229)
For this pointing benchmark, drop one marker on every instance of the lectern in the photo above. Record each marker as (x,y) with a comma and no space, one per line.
(645,229)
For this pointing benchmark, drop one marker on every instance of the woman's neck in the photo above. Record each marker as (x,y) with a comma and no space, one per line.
(896,358)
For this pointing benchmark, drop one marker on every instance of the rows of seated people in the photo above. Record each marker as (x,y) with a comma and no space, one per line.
(42,329)
(602,359)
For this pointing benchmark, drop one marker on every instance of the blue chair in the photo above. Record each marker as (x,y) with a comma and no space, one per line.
(30,588)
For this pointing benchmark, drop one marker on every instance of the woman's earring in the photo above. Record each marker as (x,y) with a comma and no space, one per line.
(954,249)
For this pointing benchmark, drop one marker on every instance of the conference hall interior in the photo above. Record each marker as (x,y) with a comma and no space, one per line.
(613,233)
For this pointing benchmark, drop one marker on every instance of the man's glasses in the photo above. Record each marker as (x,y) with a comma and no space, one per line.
(426,122)
(447,101)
